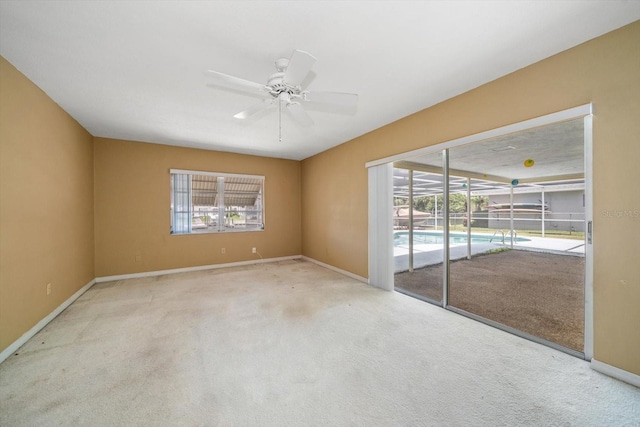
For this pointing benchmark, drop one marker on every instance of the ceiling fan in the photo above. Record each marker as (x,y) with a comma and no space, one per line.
(284,88)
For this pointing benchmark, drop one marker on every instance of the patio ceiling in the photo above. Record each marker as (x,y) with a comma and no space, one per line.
(557,151)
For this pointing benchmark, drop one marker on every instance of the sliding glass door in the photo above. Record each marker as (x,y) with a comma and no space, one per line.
(524,265)
(497,230)
(418,228)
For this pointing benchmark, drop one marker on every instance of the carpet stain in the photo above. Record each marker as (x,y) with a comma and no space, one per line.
(299,310)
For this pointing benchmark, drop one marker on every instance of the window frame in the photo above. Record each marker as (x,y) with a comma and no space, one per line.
(220,205)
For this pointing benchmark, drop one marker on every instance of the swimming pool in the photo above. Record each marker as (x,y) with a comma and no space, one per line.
(401,238)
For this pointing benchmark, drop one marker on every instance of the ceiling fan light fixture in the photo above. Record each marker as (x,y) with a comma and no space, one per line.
(285,97)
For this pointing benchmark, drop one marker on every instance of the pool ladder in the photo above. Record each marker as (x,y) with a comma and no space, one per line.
(502,232)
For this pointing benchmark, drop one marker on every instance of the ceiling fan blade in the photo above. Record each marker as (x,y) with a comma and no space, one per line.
(256,108)
(299,114)
(346,100)
(299,66)
(237,82)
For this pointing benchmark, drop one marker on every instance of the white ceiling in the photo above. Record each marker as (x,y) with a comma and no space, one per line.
(135,69)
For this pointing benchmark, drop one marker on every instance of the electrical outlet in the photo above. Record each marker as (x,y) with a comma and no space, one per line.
(48,288)
(137,258)
(253,250)
(223,250)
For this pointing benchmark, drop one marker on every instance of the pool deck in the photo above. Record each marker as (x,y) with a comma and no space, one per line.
(431,254)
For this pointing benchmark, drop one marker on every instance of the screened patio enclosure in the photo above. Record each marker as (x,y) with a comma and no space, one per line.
(483,207)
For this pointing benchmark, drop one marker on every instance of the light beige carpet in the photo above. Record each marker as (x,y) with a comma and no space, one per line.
(290,344)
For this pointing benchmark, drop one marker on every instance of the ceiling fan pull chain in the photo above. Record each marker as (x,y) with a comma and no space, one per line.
(279,120)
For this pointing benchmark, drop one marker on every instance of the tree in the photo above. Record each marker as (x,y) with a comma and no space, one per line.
(457,202)
(232,216)
(479,202)
(400,201)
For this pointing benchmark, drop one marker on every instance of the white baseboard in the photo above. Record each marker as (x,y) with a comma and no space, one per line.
(41,324)
(189,269)
(616,373)
(337,270)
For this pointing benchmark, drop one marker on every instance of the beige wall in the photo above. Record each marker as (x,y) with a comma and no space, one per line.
(132,204)
(604,71)
(46,205)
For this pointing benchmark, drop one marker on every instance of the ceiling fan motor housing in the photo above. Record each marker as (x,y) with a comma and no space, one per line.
(278,86)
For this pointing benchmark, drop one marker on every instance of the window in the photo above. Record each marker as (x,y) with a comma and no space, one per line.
(209,202)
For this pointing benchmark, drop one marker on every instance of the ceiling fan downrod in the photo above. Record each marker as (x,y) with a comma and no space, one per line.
(279,121)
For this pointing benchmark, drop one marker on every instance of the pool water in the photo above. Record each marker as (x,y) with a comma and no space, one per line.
(401,238)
